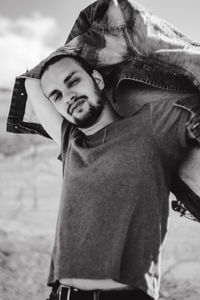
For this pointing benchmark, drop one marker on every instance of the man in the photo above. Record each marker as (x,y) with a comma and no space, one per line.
(117,175)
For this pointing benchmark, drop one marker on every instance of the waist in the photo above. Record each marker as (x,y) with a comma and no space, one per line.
(63,292)
(92,284)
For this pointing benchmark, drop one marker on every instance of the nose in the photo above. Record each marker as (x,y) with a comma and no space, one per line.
(68,97)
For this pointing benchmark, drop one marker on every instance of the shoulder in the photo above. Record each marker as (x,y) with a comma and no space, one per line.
(68,133)
(165,111)
(169,123)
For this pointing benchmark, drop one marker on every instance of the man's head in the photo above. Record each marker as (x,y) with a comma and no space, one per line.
(75,89)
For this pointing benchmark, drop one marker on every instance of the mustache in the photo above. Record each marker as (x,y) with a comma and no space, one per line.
(74,100)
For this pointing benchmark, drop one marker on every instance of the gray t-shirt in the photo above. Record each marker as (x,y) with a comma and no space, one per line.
(114,206)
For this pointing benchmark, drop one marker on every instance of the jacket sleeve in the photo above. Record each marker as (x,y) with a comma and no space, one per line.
(82,23)
(19,111)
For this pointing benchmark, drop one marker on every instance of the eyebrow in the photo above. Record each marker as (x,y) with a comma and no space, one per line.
(67,79)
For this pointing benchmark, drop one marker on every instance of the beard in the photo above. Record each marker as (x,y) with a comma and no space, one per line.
(94,112)
(91,117)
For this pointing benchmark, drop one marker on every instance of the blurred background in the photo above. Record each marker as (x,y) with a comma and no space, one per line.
(30,174)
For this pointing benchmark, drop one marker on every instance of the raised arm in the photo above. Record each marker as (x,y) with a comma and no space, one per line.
(50,119)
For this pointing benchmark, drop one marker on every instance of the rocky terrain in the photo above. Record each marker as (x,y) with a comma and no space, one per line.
(30,179)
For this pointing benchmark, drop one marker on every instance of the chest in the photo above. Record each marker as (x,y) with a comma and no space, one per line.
(125,160)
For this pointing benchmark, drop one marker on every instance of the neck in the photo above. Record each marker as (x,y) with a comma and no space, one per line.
(107,117)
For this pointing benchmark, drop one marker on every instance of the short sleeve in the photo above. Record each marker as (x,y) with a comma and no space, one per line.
(170,127)
(66,129)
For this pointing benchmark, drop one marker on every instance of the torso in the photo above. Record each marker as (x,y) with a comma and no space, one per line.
(94,240)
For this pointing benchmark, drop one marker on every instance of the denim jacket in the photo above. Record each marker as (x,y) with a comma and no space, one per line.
(113,33)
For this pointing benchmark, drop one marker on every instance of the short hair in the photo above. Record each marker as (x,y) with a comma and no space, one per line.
(82,62)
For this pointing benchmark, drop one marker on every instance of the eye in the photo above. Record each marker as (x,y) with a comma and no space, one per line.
(56,96)
(73,82)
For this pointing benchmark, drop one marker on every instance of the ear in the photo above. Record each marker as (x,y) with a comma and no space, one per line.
(99,79)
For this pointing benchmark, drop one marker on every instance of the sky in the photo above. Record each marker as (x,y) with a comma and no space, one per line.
(31,29)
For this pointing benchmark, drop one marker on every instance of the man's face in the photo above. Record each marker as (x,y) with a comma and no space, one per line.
(74,93)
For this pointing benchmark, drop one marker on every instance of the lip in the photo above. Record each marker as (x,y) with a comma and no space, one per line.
(75,104)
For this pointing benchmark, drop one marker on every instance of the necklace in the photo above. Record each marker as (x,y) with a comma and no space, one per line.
(88,142)
(104,136)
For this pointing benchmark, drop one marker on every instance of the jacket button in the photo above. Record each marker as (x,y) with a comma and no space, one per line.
(22,94)
(16,126)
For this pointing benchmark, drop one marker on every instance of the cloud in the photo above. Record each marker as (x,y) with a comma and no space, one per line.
(23,43)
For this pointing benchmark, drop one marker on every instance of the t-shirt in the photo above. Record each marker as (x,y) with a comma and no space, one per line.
(114,208)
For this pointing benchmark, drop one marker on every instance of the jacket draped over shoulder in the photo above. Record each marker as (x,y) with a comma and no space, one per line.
(109,33)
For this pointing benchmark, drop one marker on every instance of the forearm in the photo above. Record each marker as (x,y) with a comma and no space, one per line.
(189,170)
(50,119)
